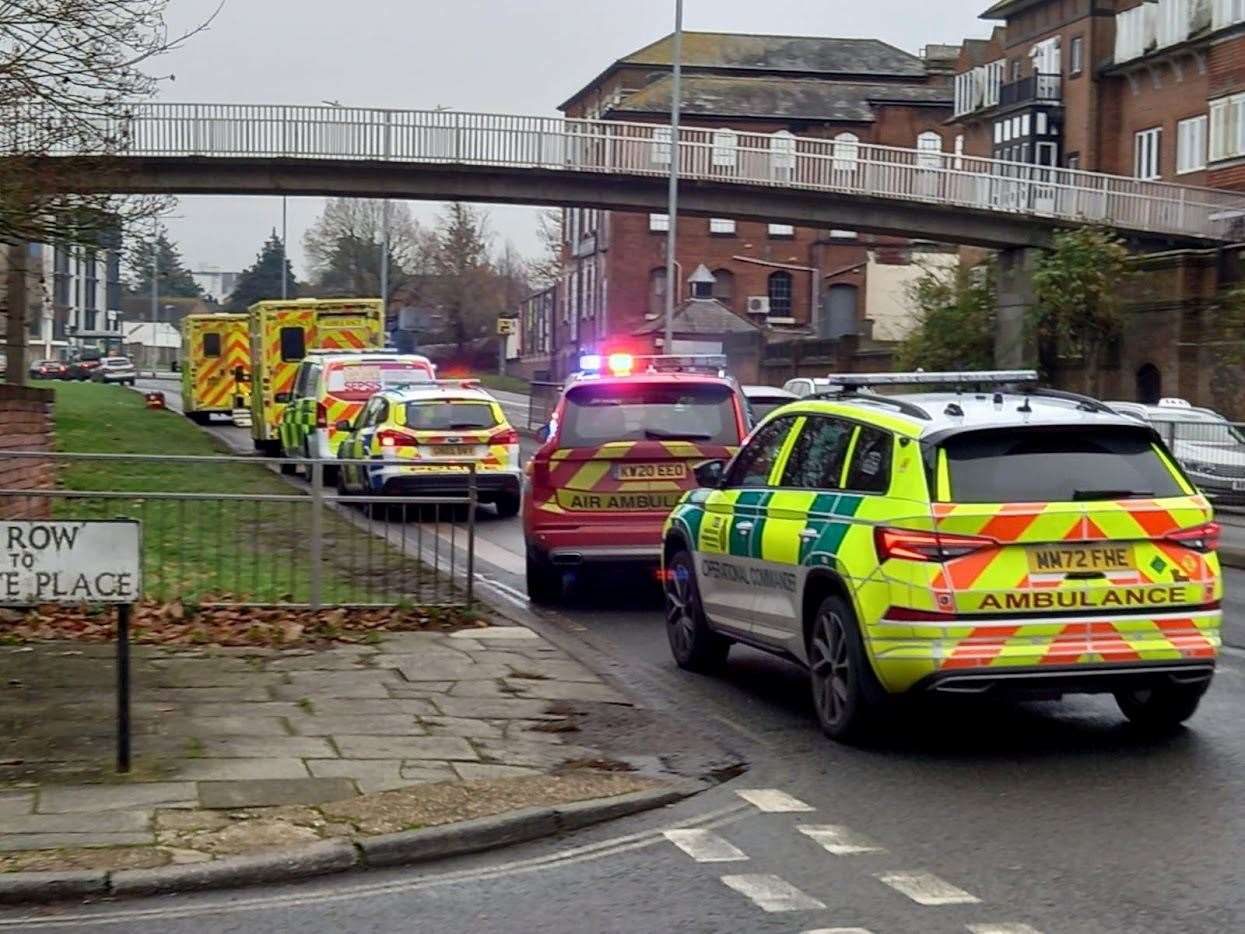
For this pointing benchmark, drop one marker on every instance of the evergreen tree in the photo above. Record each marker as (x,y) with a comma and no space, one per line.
(173,278)
(466,280)
(262,279)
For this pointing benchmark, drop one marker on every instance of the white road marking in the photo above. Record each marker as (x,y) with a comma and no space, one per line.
(774,801)
(704,846)
(839,840)
(840,931)
(771,893)
(925,888)
(1002,929)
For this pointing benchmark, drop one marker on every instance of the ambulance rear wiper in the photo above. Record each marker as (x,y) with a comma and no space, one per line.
(654,435)
(1080,495)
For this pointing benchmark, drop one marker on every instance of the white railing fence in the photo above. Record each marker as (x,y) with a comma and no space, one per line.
(643,149)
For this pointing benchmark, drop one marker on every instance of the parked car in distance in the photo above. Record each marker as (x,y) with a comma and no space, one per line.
(49,369)
(83,363)
(115,370)
(762,400)
(806,385)
(1209,447)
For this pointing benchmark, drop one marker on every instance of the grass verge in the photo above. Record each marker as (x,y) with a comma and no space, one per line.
(213,548)
(505,383)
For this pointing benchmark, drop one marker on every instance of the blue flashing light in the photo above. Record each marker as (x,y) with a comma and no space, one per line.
(590,363)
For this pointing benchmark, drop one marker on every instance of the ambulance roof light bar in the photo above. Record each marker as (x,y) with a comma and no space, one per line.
(851,381)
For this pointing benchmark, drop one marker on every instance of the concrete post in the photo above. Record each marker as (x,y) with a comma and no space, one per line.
(1014,343)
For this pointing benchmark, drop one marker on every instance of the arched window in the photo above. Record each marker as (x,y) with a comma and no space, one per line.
(782,155)
(724,287)
(780,295)
(725,148)
(929,148)
(657,291)
(846,152)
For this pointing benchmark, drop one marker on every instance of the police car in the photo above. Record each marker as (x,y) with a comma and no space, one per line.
(618,455)
(984,540)
(423,439)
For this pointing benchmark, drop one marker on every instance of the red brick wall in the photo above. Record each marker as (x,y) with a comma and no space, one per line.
(1131,107)
(25,425)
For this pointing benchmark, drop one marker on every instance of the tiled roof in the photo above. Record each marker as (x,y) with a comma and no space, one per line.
(806,54)
(702,316)
(792,98)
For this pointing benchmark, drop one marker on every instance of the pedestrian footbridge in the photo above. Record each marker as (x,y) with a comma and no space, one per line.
(806,181)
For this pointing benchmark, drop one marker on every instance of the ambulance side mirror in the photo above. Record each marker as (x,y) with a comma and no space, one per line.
(343,425)
(709,474)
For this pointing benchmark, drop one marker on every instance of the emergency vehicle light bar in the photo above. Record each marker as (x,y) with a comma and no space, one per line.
(919,378)
(624,364)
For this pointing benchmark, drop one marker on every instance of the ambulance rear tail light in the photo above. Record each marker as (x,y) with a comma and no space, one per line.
(1203,538)
(505,436)
(914,545)
(388,438)
(322,415)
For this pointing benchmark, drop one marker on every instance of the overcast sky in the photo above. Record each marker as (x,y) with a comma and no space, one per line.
(502,56)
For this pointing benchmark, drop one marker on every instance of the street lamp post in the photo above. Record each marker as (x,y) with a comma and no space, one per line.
(155,291)
(285,285)
(672,209)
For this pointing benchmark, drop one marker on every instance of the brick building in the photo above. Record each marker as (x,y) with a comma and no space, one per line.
(753,93)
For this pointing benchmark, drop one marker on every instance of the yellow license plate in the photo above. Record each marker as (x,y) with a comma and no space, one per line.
(672,471)
(1072,559)
(455,450)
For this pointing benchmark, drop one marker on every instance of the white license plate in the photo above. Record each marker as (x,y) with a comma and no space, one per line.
(454,450)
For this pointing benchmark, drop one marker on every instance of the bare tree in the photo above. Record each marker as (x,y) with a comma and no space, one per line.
(344,245)
(547,268)
(68,71)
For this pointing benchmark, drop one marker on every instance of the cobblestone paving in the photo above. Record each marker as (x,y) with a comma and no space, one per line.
(240,728)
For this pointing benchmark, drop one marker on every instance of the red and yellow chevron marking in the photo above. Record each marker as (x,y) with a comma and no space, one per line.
(209,383)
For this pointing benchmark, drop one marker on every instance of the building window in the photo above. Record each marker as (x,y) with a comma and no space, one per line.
(724,287)
(781,230)
(1016,70)
(661,145)
(1040,120)
(1227,127)
(846,152)
(1191,144)
(994,81)
(1024,125)
(998,132)
(1146,163)
(657,292)
(1135,31)
(721,227)
(658,223)
(1228,13)
(780,295)
(1076,56)
(112,279)
(782,155)
(725,148)
(929,148)
(1175,18)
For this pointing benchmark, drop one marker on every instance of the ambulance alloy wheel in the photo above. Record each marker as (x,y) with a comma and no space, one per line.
(693,644)
(1163,707)
(544,581)
(842,681)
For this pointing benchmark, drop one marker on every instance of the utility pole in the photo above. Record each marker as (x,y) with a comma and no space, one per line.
(672,210)
(384,257)
(285,285)
(155,293)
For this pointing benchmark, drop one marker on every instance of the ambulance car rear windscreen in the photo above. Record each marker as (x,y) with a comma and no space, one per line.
(358,382)
(1056,465)
(597,414)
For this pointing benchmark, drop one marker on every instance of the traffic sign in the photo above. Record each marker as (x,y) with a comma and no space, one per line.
(507,326)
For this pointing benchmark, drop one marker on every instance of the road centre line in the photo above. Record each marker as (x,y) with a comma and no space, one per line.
(705,846)
(925,888)
(839,840)
(773,801)
(1002,929)
(573,856)
(772,893)
(840,931)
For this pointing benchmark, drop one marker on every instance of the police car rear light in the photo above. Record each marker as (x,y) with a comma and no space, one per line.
(1203,538)
(915,545)
(394,439)
(506,436)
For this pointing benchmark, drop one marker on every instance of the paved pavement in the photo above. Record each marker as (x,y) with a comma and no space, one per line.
(237,728)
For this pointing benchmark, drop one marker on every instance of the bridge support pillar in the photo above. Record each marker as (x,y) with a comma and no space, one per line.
(1014,343)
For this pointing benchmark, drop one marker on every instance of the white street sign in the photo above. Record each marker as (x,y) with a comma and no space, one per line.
(70,562)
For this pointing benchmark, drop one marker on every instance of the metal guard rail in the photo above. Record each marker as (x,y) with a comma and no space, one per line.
(637,149)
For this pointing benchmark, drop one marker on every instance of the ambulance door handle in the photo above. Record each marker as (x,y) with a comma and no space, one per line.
(743,528)
(809,534)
